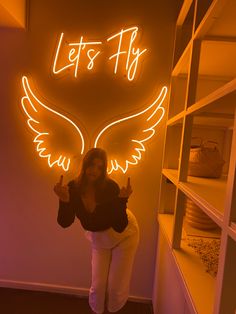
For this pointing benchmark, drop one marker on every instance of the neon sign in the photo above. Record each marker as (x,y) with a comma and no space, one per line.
(144,135)
(33,107)
(131,66)
(78,51)
(75,55)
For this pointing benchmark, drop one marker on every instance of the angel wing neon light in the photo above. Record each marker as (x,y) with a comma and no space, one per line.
(33,109)
(36,111)
(152,119)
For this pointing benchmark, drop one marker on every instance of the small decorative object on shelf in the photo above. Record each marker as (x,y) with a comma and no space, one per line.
(205,160)
(196,218)
(208,250)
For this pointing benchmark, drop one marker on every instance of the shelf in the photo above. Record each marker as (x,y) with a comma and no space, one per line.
(202,8)
(166,222)
(177,119)
(172,147)
(215,121)
(215,70)
(177,95)
(184,12)
(233,226)
(221,64)
(218,98)
(218,25)
(202,104)
(182,65)
(227,293)
(199,286)
(171,174)
(208,194)
(184,28)
(167,199)
(219,20)
(224,21)
(232,231)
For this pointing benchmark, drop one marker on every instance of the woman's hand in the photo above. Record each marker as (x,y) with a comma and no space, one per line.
(62,191)
(125,192)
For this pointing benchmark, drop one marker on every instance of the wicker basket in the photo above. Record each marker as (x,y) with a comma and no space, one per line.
(205,160)
(196,218)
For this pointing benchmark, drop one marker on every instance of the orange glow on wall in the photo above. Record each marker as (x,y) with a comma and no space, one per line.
(77,53)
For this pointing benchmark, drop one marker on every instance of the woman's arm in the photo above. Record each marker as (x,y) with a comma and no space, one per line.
(66,214)
(66,211)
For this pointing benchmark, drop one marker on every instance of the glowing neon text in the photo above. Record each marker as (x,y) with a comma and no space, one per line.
(131,65)
(74,53)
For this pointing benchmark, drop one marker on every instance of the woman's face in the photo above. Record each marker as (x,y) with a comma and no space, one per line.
(95,170)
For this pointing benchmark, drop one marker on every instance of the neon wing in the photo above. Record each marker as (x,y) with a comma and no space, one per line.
(124,139)
(57,138)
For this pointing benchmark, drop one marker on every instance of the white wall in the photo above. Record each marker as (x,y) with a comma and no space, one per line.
(33,248)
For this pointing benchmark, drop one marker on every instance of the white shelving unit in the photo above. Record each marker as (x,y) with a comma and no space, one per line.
(202,103)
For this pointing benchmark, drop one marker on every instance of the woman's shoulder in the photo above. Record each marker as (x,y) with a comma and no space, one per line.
(112,183)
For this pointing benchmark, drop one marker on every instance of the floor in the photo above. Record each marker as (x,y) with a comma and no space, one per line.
(15,301)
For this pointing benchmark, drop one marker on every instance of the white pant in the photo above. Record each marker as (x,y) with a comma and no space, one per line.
(112,260)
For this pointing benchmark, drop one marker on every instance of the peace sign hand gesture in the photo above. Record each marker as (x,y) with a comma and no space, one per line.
(125,192)
(62,191)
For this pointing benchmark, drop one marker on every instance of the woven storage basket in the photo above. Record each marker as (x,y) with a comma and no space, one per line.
(196,218)
(205,160)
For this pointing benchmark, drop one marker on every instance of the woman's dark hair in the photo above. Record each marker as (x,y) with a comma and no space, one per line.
(89,157)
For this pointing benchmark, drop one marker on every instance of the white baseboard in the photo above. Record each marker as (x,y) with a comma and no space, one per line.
(45,287)
(134,298)
(37,286)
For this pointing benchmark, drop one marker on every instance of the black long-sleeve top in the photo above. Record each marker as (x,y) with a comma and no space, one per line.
(110,210)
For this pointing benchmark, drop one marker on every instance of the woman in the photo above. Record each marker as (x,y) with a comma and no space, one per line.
(112,229)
